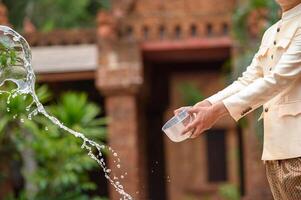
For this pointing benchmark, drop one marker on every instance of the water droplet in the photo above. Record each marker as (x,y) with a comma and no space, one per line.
(83,145)
(16,38)
(22,120)
(46,128)
(168,179)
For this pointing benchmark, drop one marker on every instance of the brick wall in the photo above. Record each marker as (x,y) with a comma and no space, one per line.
(151,20)
(145,21)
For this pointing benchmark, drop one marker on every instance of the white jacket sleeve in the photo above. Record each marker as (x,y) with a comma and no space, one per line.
(253,72)
(286,71)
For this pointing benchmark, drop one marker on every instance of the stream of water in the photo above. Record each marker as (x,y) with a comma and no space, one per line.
(22,74)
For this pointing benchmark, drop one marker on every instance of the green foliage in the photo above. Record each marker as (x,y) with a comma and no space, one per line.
(242,13)
(240,30)
(61,165)
(8,56)
(229,192)
(190,94)
(50,14)
(11,59)
(105,4)
(64,174)
(11,115)
(13,111)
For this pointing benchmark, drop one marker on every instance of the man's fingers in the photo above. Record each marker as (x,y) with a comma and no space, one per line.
(196,132)
(176,111)
(187,129)
(190,127)
(193,110)
(179,110)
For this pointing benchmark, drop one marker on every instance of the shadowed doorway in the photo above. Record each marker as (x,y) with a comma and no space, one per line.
(168,173)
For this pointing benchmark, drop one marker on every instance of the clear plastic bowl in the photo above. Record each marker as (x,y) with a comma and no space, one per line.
(173,128)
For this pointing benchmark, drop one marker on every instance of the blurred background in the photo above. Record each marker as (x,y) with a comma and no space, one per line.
(116,70)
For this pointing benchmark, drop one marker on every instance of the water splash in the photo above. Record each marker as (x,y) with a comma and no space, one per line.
(17,68)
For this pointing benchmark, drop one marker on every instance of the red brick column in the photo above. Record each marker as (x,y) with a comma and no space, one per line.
(124,135)
(3,15)
(119,79)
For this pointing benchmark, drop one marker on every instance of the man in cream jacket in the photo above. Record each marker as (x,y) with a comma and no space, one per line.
(272,80)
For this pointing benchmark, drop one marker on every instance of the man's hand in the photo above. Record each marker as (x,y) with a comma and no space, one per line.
(203,103)
(205,118)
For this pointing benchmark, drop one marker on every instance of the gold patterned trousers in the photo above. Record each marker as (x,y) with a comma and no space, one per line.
(284,177)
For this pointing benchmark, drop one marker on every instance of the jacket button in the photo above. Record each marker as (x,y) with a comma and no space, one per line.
(278,29)
(266,109)
(272,56)
(270,68)
(275,42)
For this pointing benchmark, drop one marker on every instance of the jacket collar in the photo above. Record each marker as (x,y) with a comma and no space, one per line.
(292,12)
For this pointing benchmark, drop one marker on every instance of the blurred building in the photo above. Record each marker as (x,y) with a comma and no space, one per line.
(137,58)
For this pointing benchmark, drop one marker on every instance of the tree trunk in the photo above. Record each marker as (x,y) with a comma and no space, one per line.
(29,166)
